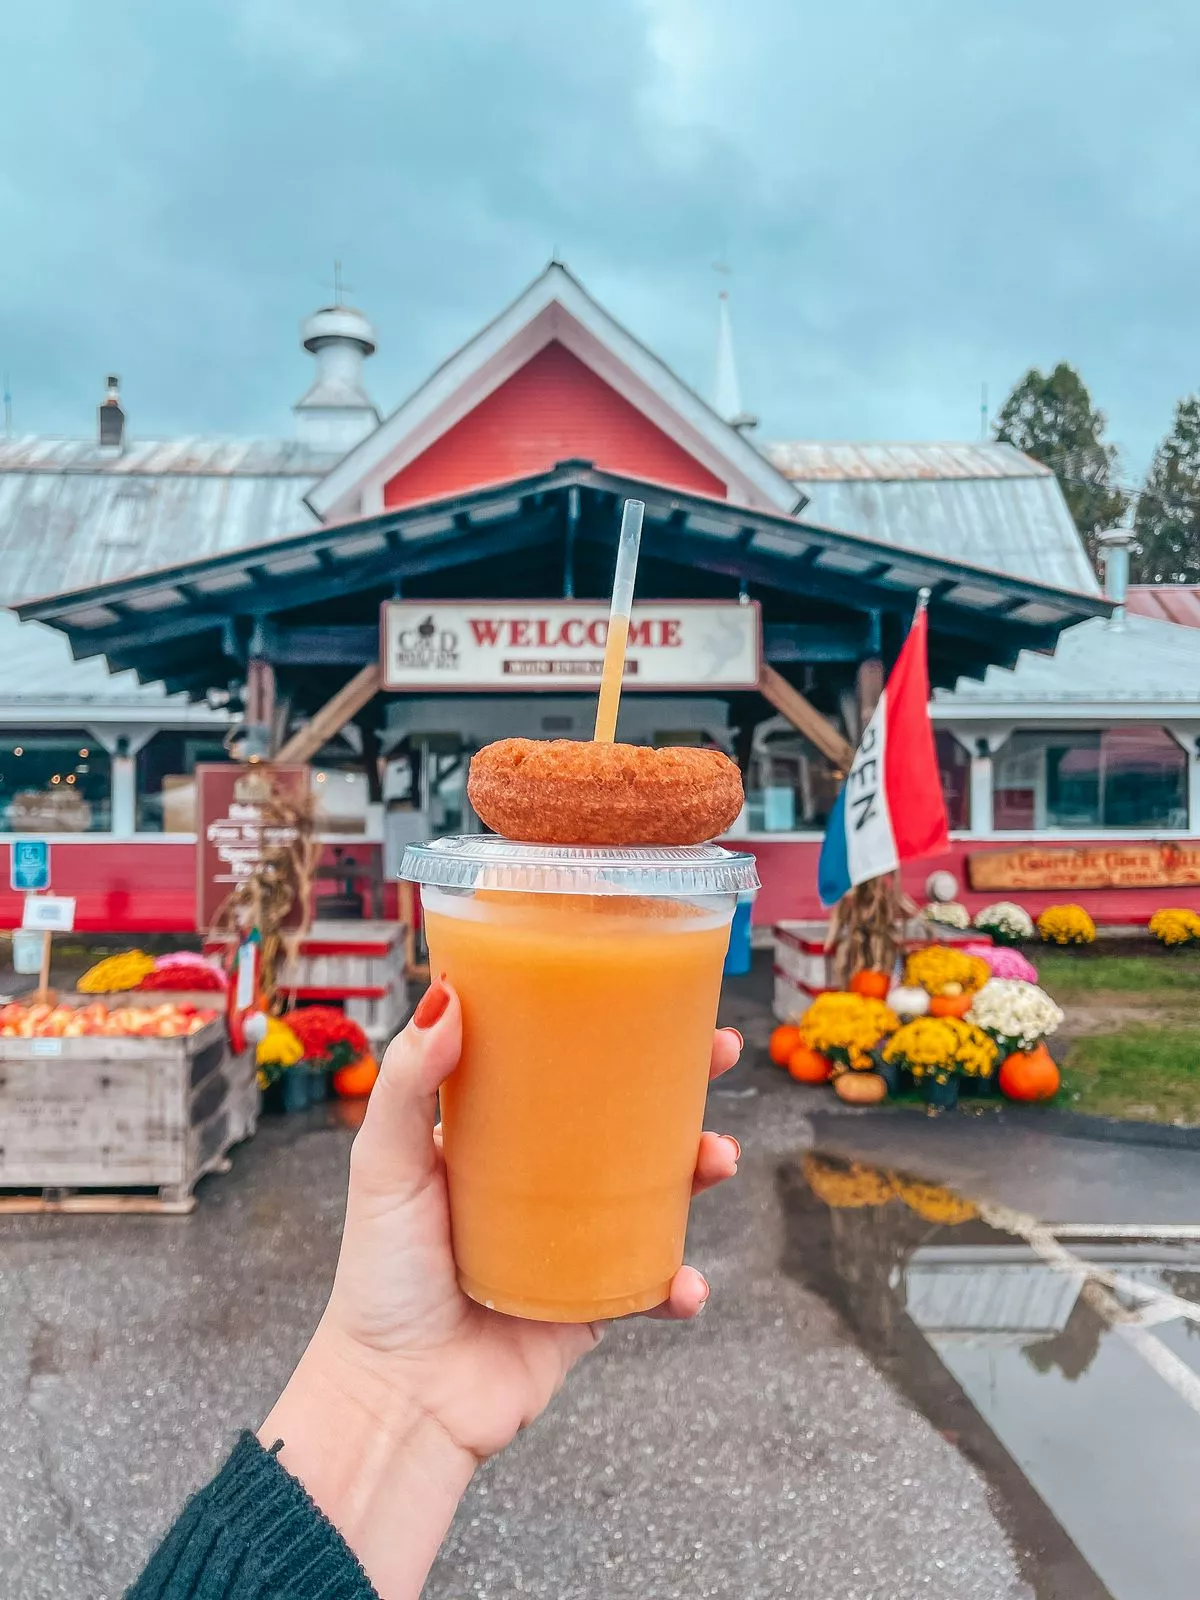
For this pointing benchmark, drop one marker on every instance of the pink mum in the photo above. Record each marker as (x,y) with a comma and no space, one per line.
(1004,961)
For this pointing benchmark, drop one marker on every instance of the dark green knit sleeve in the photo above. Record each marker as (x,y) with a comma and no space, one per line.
(253,1534)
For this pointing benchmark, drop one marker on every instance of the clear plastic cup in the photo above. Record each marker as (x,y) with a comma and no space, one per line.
(589,981)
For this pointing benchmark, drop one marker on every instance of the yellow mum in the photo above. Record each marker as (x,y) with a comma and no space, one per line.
(940,1047)
(1175,926)
(847,1027)
(939,969)
(1066,925)
(279,1047)
(124,971)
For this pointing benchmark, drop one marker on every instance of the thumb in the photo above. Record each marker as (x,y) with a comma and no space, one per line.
(394,1153)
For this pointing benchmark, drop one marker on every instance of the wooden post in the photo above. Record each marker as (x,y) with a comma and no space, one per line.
(333,715)
(869,680)
(804,716)
(869,683)
(260,692)
(43,992)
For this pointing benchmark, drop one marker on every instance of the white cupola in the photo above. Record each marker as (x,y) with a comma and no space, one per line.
(337,411)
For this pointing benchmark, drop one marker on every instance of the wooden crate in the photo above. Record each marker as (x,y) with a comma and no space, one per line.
(802,967)
(109,1114)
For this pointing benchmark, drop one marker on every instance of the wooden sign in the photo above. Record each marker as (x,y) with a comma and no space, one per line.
(1144,865)
(235,831)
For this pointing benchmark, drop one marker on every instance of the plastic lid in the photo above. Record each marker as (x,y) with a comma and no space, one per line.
(483,861)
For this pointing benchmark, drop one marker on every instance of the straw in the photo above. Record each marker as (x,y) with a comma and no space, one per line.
(618,621)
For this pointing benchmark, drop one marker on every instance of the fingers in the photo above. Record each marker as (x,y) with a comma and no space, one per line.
(716,1160)
(394,1150)
(727,1047)
(689,1294)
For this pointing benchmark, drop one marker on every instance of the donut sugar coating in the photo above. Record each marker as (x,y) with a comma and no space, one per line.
(566,791)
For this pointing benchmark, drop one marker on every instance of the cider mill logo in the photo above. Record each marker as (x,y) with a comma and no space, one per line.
(426,647)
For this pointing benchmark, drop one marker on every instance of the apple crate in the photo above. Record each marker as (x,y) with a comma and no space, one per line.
(82,1119)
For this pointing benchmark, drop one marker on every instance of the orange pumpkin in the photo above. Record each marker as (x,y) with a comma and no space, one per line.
(949,1005)
(808,1066)
(357,1080)
(1029,1075)
(860,1088)
(871,984)
(784,1041)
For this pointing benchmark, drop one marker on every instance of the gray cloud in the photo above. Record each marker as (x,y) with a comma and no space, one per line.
(916,199)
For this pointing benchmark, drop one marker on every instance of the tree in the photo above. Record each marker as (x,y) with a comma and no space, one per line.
(1167,519)
(1053,420)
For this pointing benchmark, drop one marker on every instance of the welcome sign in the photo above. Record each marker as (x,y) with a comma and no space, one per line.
(559,644)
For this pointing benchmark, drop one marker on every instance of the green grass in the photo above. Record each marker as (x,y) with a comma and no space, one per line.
(1091,972)
(1142,1073)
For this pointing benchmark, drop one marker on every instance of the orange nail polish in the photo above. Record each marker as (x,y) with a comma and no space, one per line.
(431,1005)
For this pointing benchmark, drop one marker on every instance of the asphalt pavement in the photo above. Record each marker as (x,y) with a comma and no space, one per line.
(777,1447)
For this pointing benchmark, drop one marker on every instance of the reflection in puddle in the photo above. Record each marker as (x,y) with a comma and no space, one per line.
(1071,1379)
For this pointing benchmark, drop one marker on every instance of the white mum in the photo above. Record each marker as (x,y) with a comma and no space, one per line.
(1016,1014)
(1006,918)
(949,913)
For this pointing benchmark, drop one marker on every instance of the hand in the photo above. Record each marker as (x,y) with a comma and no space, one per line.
(403,1360)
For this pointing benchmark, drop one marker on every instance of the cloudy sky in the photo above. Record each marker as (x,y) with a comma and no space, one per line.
(915,199)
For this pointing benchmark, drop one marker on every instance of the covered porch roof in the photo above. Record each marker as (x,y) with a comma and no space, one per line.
(311,601)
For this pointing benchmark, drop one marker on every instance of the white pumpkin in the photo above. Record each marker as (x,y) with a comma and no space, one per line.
(909,1001)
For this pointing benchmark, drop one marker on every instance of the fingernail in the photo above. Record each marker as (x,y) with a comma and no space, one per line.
(740,1041)
(707,1292)
(737,1149)
(431,1004)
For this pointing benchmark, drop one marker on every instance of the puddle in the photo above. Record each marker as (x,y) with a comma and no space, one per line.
(1072,1382)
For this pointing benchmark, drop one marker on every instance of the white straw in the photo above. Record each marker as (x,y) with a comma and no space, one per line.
(619,616)
(627,558)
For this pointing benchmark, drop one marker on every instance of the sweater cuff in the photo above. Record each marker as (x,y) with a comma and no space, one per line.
(254,1532)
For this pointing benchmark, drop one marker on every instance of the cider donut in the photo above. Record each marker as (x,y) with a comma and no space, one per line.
(565,791)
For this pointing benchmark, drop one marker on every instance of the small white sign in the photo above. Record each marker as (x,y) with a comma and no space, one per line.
(49,913)
(515,645)
(46,1047)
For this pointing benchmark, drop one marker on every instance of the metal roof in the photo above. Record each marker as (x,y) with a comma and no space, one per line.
(1098,665)
(73,514)
(42,679)
(900,463)
(1165,602)
(986,504)
(158,458)
(170,623)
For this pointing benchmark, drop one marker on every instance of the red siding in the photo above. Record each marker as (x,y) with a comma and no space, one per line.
(554,409)
(788,869)
(139,888)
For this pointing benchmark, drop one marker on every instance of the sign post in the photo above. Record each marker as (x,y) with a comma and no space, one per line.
(49,914)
